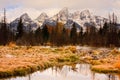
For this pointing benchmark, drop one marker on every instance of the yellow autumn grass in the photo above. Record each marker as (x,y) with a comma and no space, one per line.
(117,62)
(106,68)
(21,60)
(115,51)
(109,65)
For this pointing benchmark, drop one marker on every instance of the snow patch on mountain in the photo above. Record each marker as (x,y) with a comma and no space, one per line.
(28,23)
(80,18)
(43,17)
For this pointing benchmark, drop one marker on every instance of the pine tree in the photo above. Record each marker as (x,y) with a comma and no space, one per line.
(45,34)
(118,37)
(20,31)
(81,36)
(105,28)
(38,35)
(64,36)
(73,34)
(4,31)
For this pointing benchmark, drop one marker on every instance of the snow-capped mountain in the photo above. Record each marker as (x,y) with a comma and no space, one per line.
(43,17)
(28,23)
(85,17)
(62,16)
(80,18)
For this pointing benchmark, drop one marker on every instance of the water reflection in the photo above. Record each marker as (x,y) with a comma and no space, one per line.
(74,72)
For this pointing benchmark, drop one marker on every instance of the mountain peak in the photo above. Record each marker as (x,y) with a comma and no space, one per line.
(62,15)
(87,12)
(28,23)
(24,15)
(43,15)
(64,10)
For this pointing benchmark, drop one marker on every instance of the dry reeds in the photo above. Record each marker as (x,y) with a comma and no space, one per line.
(21,60)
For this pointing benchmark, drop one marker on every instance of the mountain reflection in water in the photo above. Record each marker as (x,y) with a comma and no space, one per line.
(73,72)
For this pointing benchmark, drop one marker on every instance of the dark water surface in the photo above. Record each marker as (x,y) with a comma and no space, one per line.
(74,72)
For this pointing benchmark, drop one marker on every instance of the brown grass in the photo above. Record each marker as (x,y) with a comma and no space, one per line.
(106,68)
(111,64)
(12,44)
(21,60)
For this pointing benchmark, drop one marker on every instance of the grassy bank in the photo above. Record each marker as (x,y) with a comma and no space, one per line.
(22,60)
(105,69)
(108,64)
(102,60)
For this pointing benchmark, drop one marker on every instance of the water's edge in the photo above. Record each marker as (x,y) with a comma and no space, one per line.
(73,72)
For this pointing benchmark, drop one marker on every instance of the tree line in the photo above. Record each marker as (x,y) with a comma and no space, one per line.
(107,35)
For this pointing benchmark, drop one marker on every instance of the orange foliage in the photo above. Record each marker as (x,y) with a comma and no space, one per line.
(12,44)
(117,65)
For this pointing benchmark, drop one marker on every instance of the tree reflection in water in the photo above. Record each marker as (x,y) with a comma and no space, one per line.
(73,72)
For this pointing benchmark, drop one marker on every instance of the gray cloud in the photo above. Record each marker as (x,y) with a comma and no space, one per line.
(74,4)
(100,7)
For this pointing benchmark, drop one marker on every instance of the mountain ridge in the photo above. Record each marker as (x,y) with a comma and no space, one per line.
(64,16)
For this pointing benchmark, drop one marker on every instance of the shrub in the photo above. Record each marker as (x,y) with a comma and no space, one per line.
(12,44)
(72,49)
(73,58)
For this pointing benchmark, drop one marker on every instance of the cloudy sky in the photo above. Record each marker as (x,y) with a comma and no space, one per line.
(34,7)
